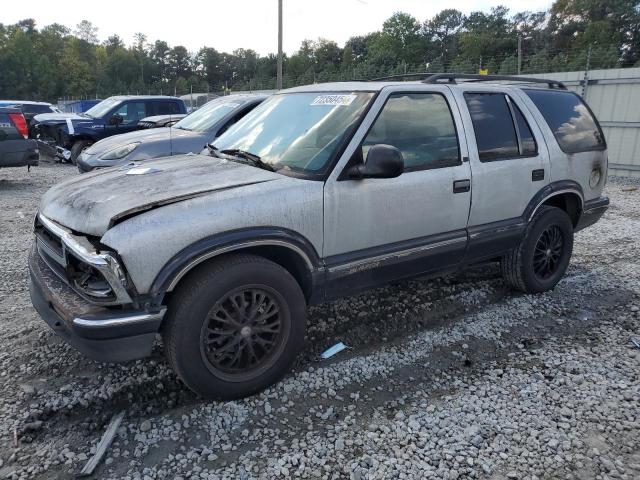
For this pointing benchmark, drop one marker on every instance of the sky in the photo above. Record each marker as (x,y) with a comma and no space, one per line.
(230,24)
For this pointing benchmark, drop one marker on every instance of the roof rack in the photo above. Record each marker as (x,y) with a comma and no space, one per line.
(401,76)
(427,77)
(452,77)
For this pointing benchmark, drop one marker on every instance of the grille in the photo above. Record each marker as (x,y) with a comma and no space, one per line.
(82,277)
(53,242)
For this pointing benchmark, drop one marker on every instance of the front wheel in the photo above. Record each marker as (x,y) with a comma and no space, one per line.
(542,257)
(77,148)
(235,326)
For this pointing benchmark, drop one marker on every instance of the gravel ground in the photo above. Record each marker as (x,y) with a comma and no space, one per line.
(449,378)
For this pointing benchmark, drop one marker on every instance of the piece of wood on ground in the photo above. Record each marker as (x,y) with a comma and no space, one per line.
(103,444)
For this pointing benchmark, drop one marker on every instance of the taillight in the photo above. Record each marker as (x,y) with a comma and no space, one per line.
(20,124)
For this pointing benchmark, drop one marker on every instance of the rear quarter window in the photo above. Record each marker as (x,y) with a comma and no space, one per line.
(165,108)
(570,120)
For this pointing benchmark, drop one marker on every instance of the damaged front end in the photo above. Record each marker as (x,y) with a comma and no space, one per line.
(50,137)
(84,295)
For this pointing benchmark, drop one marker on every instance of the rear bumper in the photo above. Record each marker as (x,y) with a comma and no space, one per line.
(19,153)
(103,334)
(592,211)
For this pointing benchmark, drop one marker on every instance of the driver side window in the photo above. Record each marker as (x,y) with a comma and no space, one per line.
(131,112)
(421,126)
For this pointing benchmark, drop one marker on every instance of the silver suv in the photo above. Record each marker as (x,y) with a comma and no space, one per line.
(320,192)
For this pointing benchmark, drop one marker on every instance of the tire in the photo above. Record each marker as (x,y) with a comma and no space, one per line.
(77,149)
(202,335)
(542,257)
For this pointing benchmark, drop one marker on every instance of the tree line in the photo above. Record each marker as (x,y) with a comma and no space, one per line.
(55,61)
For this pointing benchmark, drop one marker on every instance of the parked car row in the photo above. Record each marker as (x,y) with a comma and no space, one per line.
(189,135)
(316,193)
(68,134)
(130,128)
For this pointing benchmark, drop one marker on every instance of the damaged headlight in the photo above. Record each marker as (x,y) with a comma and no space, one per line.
(120,152)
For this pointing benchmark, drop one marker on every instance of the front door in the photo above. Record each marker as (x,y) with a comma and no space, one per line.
(131,113)
(378,230)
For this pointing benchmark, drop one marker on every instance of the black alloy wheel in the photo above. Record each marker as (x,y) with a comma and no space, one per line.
(243,333)
(234,326)
(548,251)
(540,260)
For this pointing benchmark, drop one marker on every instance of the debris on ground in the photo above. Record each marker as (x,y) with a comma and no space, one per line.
(103,444)
(331,351)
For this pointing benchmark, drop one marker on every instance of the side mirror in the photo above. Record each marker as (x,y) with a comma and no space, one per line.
(115,119)
(383,161)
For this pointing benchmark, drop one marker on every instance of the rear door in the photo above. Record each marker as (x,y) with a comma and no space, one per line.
(509,164)
(377,230)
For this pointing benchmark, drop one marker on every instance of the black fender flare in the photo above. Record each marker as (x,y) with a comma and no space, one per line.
(549,191)
(235,240)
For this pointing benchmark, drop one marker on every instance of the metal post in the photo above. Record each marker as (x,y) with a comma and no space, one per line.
(585,81)
(279,79)
(519,54)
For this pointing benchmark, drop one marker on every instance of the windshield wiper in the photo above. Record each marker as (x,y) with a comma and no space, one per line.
(250,158)
(213,150)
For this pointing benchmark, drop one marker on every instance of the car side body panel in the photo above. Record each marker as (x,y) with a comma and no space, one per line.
(148,241)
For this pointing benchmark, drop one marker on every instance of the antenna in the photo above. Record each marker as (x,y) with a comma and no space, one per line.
(170,137)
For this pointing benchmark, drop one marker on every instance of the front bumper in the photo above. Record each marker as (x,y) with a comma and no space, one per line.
(592,211)
(85,164)
(101,333)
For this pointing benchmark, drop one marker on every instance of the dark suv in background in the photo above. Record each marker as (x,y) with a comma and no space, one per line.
(16,150)
(67,134)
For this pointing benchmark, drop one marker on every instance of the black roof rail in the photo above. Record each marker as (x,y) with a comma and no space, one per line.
(400,76)
(452,77)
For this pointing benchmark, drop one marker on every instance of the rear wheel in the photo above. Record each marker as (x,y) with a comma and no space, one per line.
(235,326)
(77,148)
(542,257)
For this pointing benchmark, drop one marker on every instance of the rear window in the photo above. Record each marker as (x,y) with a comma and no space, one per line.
(30,108)
(570,120)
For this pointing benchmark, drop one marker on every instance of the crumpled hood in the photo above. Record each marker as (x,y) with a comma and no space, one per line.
(58,117)
(142,136)
(94,202)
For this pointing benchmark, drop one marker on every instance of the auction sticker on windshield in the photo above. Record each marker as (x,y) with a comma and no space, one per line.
(333,99)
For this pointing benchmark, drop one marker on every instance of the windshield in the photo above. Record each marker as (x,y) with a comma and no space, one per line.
(100,109)
(296,131)
(208,115)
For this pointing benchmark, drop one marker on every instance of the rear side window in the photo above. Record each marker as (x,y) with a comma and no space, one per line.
(421,126)
(165,108)
(500,128)
(570,120)
(527,142)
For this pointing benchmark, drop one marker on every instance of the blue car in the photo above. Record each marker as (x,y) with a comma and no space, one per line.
(67,134)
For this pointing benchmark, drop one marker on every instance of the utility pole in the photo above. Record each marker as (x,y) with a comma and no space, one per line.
(279,79)
(519,54)
(585,81)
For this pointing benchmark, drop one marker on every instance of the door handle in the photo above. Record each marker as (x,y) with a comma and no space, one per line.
(461,186)
(537,175)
